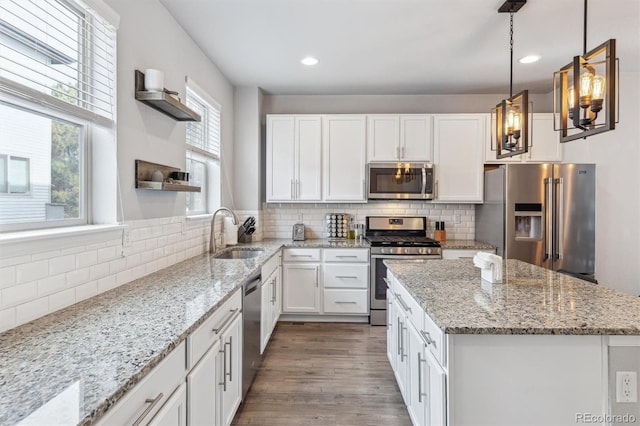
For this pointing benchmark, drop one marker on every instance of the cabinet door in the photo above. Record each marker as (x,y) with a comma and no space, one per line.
(301,292)
(280,158)
(229,371)
(392,331)
(418,378)
(383,142)
(415,137)
(458,156)
(546,141)
(308,180)
(266,314)
(437,392)
(344,158)
(174,411)
(202,387)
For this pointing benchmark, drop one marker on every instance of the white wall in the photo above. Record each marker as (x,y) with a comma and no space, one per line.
(149,37)
(393,104)
(617,156)
(248,172)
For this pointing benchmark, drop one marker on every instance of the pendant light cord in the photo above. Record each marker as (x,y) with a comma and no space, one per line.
(584,33)
(511,51)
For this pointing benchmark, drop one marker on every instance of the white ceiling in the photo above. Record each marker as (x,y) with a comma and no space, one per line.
(401,46)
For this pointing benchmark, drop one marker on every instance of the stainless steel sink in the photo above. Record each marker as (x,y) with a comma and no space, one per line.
(239,253)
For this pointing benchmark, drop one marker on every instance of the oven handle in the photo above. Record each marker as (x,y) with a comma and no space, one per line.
(407,256)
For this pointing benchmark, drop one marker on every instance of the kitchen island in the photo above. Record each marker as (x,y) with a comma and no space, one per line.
(532,350)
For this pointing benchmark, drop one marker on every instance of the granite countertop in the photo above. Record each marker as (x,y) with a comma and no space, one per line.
(105,345)
(466,245)
(531,300)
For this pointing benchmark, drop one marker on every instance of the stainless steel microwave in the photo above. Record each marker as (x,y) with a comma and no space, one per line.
(400,181)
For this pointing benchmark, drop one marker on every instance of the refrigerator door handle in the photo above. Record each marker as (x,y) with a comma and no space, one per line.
(548,239)
(559,216)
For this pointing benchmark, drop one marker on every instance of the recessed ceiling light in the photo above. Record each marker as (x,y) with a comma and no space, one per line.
(309,60)
(529,59)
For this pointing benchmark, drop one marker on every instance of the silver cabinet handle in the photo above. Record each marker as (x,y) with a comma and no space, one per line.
(427,338)
(224,368)
(420,361)
(402,354)
(273,291)
(317,277)
(232,313)
(404,305)
(230,358)
(351,256)
(300,255)
(348,303)
(436,191)
(292,190)
(297,189)
(152,403)
(353,277)
(399,332)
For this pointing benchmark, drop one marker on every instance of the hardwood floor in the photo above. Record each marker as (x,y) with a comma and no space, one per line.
(324,374)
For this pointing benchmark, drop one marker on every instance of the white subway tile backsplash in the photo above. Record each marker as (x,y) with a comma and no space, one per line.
(7,277)
(46,255)
(106,254)
(51,284)
(87,290)
(18,294)
(7,319)
(32,310)
(87,258)
(11,261)
(32,271)
(62,264)
(98,271)
(61,299)
(117,265)
(106,283)
(78,276)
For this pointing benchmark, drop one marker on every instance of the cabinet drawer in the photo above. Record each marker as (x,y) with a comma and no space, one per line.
(301,255)
(209,331)
(346,276)
(346,301)
(346,255)
(151,393)
(463,253)
(409,305)
(435,339)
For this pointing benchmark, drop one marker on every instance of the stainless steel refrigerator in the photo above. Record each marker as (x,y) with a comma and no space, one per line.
(542,214)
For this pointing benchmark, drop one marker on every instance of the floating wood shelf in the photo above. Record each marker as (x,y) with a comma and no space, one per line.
(144,171)
(163,102)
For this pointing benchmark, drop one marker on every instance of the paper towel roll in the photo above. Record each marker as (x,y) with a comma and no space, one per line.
(230,231)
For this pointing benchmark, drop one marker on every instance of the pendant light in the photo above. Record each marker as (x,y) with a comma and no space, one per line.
(510,118)
(584,91)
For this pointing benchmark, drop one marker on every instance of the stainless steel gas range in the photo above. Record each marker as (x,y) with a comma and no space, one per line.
(394,237)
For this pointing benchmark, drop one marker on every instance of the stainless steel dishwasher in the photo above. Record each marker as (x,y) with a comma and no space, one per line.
(251,305)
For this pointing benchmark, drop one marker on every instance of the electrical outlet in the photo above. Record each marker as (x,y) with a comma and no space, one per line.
(126,237)
(626,386)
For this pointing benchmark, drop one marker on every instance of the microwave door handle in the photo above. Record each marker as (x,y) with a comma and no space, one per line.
(424,181)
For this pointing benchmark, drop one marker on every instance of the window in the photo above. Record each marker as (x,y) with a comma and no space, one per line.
(57,80)
(203,152)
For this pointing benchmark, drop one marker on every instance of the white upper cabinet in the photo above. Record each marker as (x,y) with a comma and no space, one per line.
(544,144)
(393,137)
(294,166)
(458,151)
(344,159)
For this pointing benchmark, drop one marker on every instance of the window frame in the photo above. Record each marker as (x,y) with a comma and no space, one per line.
(84,158)
(211,160)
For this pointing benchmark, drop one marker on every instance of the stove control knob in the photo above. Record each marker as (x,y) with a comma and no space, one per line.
(406,251)
(420,250)
(382,250)
(428,251)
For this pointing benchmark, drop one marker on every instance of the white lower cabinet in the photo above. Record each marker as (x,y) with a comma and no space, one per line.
(271,297)
(329,281)
(174,411)
(152,400)
(412,342)
(214,383)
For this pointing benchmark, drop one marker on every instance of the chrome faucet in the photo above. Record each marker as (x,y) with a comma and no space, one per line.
(212,238)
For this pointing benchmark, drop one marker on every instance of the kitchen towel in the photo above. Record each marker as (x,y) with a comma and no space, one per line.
(230,232)
(490,265)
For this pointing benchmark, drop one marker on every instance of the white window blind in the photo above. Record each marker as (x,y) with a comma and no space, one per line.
(204,135)
(59,54)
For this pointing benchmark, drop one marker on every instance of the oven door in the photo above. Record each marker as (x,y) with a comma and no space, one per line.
(398,181)
(378,290)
